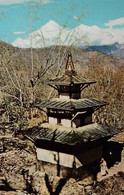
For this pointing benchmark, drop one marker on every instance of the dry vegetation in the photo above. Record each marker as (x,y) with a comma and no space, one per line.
(110,88)
(23,73)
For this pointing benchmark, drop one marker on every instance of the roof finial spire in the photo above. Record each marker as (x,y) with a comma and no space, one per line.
(69,65)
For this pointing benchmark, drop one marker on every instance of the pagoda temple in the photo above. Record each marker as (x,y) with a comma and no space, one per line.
(69,136)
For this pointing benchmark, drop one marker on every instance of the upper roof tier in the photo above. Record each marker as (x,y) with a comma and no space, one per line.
(70,76)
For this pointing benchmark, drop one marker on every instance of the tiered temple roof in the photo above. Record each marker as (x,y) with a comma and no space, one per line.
(70,77)
(69,136)
(67,79)
(54,132)
(71,104)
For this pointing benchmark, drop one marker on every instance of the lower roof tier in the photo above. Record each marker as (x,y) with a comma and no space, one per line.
(68,135)
(71,104)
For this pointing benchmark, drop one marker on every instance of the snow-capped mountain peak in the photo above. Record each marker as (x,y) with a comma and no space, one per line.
(53,34)
(51,24)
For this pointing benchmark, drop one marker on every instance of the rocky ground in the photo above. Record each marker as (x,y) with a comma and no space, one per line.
(17,162)
(20,174)
(113,185)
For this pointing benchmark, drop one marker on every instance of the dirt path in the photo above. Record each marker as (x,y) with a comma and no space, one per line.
(113,170)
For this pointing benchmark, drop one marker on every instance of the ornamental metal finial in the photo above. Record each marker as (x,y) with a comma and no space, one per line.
(69,65)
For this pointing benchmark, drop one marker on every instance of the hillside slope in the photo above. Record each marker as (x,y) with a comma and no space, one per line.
(115,49)
(23,73)
(56,55)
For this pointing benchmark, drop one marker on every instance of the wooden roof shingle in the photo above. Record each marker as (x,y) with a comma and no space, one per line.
(69,136)
(66,80)
(71,104)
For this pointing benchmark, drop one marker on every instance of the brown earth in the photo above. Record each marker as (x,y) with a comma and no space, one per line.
(20,175)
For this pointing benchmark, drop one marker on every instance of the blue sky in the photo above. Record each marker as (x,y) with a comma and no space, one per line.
(18,18)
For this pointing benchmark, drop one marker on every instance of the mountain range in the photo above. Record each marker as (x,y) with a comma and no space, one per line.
(56,55)
(109,41)
(115,49)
